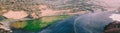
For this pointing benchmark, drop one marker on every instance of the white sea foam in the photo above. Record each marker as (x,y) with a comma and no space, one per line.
(115,17)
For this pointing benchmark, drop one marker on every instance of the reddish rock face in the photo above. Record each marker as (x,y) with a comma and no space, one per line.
(15,14)
(113,27)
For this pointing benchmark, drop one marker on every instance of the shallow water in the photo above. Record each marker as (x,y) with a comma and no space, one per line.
(39,24)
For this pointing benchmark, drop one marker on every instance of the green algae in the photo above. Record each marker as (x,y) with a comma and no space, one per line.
(52,19)
(32,25)
(39,24)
